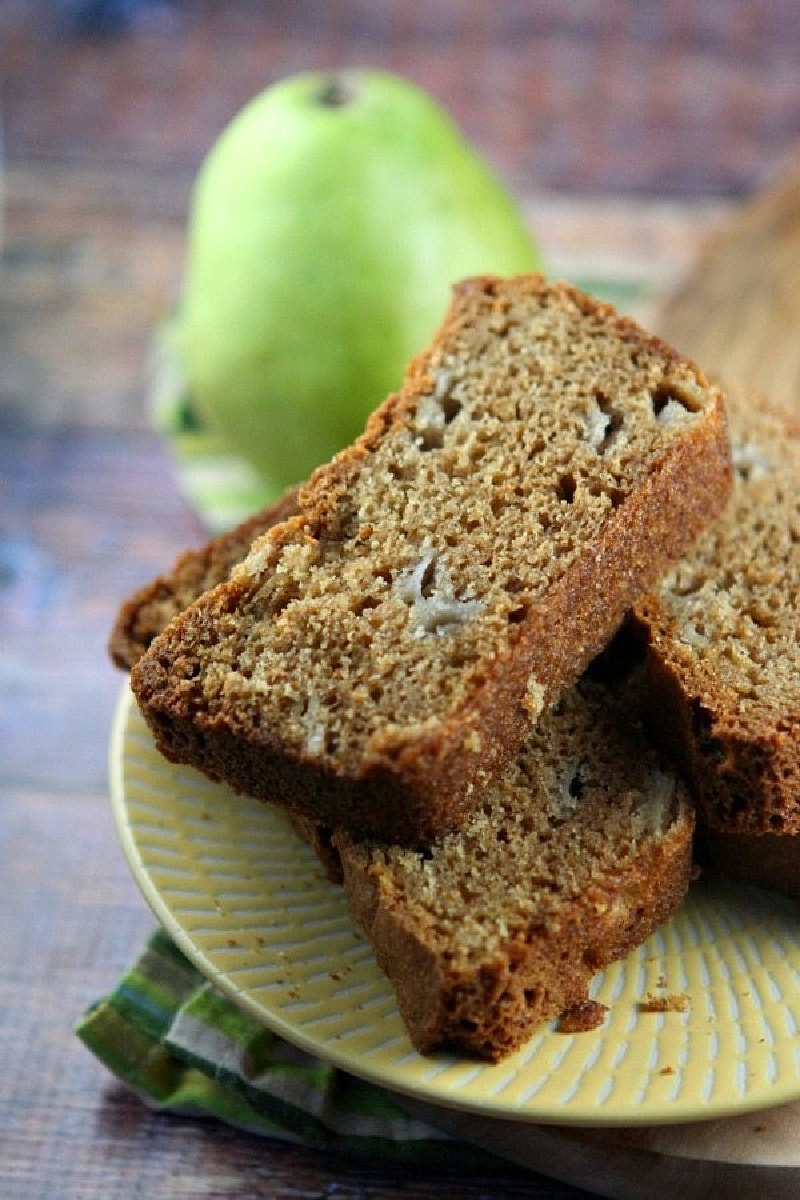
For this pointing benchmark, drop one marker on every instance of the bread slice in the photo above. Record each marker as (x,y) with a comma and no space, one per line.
(144,614)
(570,862)
(723,651)
(580,852)
(573,860)
(377,661)
(151,607)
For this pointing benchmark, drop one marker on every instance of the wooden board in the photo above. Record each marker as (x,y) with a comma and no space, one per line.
(738,312)
(749,1157)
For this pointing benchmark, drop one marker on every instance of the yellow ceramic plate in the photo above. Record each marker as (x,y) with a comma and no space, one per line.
(245,899)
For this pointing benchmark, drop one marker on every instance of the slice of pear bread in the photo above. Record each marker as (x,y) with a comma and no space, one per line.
(723,653)
(151,607)
(377,660)
(587,825)
(570,862)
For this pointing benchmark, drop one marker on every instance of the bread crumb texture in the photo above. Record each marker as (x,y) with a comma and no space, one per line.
(151,607)
(677,1002)
(573,859)
(532,422)
(725,636)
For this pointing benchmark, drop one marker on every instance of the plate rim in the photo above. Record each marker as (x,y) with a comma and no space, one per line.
(623,1117)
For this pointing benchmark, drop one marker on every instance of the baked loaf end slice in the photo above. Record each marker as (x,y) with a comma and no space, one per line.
(376,661)
(151,607)
(580,852)
(723,651)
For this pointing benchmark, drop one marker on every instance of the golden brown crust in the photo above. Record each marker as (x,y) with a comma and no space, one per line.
(145,613)
(492,1011)
(411,778)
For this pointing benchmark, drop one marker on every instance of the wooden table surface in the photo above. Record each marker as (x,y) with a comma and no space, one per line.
(629,131)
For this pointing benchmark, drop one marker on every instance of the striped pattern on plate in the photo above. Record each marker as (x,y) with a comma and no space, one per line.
(248,903)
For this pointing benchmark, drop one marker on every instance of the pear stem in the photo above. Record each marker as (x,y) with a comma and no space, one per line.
(335,93)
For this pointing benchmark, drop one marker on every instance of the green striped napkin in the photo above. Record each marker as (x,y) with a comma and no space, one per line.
(184,1047)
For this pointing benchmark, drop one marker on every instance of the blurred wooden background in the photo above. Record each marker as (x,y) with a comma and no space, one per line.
(626,129)
(658,97)
(632,131)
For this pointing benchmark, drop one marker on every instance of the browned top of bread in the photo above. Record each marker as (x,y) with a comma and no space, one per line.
(724,638)
(152,606)
(574,858)
(376,661)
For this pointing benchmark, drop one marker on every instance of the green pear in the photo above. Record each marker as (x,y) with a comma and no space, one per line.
(328,223)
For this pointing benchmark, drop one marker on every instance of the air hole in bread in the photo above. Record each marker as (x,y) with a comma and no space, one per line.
(738,804)
(467,1026)
(451,407)
(566,488)
(603,423)
(436,412)
(760,615)
(687,584)
(426,578)
(431,438)
(576,786)
(615,495)
(362,604)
